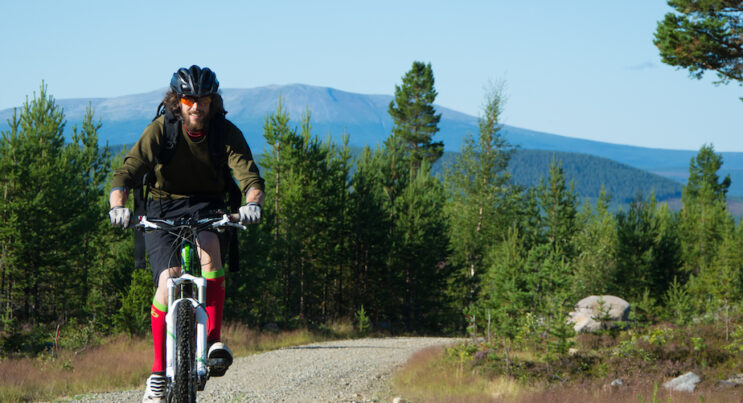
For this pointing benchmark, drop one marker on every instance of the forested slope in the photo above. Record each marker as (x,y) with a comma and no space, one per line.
(588,173)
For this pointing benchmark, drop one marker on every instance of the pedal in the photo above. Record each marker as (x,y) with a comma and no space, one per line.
(218,366)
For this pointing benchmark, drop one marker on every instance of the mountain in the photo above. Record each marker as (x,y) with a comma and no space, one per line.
(366,120)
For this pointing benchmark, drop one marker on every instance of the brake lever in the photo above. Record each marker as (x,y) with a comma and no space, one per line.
(226,221)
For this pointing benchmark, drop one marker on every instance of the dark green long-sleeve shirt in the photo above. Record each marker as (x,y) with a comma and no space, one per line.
(190,171)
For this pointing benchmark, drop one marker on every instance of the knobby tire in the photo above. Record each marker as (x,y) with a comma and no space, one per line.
(184,390)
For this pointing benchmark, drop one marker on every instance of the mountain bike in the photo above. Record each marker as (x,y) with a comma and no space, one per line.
(187,367)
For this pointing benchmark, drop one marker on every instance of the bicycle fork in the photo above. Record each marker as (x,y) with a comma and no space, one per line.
(201,320)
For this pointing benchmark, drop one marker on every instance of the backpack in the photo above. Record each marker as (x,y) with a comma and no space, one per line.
(218,156)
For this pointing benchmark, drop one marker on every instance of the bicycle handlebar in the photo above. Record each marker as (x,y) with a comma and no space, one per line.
(217,222)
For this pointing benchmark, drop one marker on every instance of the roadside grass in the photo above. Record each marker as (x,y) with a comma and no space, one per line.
(117,363)
(642,358)
(243,340)
(122,362)
(639,392)
(431,376)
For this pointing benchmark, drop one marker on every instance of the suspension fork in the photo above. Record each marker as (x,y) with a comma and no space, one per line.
(200,314)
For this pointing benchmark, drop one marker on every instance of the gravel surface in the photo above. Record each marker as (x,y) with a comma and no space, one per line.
(337,371)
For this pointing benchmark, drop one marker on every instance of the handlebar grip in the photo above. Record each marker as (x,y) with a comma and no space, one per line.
(134,222)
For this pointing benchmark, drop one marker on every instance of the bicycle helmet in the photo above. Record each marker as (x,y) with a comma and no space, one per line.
(194,82)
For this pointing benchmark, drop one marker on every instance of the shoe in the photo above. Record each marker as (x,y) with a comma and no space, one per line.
(219,358)
(155,392)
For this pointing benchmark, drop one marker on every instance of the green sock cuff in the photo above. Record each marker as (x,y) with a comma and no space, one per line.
(213,274)
(160,307)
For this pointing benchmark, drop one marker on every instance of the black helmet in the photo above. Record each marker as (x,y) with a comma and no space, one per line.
(194,82)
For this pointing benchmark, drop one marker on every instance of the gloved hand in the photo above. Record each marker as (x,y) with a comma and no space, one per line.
(250,213)
(120,216)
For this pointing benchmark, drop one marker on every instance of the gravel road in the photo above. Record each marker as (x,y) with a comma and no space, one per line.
(337,371)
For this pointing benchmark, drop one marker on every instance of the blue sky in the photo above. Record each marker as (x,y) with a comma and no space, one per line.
(585,69)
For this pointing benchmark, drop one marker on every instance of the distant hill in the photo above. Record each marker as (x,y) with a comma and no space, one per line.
(588,173)
(366,120)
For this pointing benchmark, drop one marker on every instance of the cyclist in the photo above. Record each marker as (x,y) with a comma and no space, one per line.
(189,184)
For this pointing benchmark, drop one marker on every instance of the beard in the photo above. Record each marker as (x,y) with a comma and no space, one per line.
(195,125)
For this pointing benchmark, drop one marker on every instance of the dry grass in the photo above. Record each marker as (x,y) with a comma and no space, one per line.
(432,376)
(245,341)
(121,362)
(636,391)
(124,363)
(429,377)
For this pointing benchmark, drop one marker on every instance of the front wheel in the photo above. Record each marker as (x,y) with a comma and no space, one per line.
(184,384)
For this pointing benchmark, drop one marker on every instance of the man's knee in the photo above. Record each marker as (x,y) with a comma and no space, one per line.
(162,281)
(209,251)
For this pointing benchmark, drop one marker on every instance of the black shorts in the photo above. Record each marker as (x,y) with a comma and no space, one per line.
(163,249)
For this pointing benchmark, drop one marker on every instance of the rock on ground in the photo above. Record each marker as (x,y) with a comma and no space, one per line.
(588,309)
(684,383)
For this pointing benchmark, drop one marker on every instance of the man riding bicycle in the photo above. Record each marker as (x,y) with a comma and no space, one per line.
(190,183)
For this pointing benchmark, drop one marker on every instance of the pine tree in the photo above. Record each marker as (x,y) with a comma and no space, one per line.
(507,291)
(703,217)
(308,181)
(93,167)
(647,250)
(35,225)
(111,265)
(595,261)
(551,239)
(375,283)
(703,36)
(415,118)
(723,282)
(703,172)
(482,200)
(49,211)
(557,202)
(419,250)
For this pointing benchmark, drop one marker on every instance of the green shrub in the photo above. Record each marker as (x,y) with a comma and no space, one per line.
(363,324)
(133,317)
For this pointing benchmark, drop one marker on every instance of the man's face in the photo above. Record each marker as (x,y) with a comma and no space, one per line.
(195,111)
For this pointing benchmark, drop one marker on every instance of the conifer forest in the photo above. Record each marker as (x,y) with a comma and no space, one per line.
(376,231)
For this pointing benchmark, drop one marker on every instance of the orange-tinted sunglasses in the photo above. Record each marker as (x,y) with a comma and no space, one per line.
(189,101)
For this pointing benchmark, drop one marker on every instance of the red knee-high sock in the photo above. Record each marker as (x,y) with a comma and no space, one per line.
(157,317)
(214,304)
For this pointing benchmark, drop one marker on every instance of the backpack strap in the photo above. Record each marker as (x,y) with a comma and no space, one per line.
(171,132)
